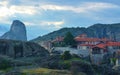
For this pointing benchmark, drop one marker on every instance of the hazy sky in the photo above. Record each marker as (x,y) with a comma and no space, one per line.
(44,16)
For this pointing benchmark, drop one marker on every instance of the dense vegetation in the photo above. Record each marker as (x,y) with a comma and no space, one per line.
(69,39)
(4,63)
(66,55)
(65,64)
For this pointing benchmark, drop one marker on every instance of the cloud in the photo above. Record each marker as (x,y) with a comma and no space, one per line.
(56,24)
(3,3)
(29,23)
(7,10)
(10,12)
(83,8)
(23,10)
(28,10)
(48,24)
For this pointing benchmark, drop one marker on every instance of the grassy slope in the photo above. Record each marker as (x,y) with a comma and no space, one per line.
(45,71)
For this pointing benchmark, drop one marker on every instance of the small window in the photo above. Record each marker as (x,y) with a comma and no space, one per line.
(96,50)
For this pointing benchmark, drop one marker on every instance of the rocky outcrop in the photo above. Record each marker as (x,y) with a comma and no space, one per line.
(16,32)
(17,49)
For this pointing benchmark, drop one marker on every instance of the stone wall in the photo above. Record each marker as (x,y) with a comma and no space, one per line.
(83,53)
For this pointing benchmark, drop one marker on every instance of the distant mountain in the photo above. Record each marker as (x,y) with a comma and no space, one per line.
(3,29)
(111,31)
(16,32)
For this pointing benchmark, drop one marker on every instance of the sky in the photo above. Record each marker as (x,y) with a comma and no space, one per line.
(44,16)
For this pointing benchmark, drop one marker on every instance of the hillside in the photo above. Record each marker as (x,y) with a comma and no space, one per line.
(111,31)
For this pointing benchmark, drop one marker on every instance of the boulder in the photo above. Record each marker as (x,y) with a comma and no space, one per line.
(19,49)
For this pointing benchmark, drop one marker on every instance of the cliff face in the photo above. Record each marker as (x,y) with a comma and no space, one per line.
(17,49)
(16,32)
(111,31)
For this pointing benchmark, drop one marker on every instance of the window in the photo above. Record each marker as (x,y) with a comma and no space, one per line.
(96,50)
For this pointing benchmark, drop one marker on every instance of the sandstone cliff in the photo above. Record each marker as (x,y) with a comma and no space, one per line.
(16,32)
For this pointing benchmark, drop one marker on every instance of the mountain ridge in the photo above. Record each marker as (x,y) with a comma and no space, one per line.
(98,30)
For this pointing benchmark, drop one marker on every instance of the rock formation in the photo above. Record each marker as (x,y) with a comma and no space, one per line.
(16,32)
(17,49)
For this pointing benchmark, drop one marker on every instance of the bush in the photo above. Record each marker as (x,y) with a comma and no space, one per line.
(66,55)
(4,64)
(113,60)
(80,66)
(65,64)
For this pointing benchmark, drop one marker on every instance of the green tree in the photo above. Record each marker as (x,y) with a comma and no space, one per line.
(66,55)
(69,39)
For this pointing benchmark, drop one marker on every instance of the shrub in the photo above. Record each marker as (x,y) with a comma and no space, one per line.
(65,64)
(4,64)
(80,66)
(66,55)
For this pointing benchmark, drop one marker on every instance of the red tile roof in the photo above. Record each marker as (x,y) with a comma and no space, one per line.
(103,45)
(113,43)
(84,37)
(89,45)
(86,45)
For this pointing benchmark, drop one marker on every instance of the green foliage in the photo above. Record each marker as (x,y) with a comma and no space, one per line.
(66,64)
(67,59)
(66,55)
(113,60)
(105,70)
(4,64)
(45,71)
(81,66)
(69,39)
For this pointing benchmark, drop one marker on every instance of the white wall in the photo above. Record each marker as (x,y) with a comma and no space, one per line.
(84,53)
